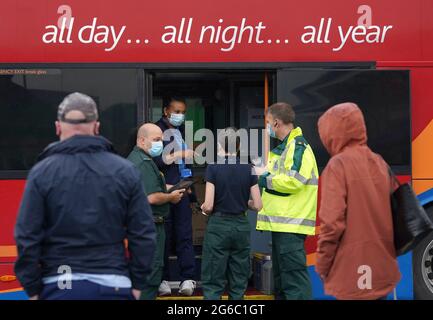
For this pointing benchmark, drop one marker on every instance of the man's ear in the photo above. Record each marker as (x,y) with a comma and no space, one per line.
(97,126)
(165,111)
(58,128)
(139,141)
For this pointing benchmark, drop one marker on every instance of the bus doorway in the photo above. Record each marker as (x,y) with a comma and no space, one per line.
(215,100)
(219,99)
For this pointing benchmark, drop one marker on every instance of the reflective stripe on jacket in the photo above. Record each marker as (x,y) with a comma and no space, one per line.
(290,187)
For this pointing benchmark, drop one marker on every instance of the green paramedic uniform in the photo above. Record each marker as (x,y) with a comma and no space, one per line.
(226,257)
(289,211)
(226,246)
(153,181)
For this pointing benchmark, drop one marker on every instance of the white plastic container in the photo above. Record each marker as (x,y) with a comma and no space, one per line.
(263,276)
(267,278)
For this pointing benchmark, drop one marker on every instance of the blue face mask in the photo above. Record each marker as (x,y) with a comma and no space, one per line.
(156,149)
(270,131)
(176,119)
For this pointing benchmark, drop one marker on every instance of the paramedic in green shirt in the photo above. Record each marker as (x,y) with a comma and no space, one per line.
(149,145)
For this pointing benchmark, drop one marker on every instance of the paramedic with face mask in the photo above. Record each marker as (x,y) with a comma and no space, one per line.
(178,224)
(289,184)
(149,145)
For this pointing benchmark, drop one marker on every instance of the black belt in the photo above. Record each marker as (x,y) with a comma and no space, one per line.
(228,215)
(158,219)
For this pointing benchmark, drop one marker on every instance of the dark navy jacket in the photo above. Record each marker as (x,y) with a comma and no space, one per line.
(80,203)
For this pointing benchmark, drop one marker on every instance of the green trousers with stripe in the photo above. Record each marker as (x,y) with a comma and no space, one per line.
(226,257)
(289,266)
(155,277)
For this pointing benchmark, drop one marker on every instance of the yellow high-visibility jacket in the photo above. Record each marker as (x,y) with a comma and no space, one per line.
(290,187)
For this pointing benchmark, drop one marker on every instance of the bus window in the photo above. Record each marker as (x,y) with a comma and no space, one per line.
(29,101)
(383,96)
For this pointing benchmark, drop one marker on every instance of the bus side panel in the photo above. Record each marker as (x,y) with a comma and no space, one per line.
(10,196)
(422,154)
(13,295)
(405,286)
(422,116)
(10,288)
(409,39)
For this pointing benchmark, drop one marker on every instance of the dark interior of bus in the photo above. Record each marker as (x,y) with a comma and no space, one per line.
(216,99)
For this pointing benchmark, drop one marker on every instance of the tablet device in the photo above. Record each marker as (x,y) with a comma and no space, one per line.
(182,184)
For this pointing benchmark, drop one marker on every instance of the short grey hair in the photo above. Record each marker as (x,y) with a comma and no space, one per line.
(79,102)
(282,111)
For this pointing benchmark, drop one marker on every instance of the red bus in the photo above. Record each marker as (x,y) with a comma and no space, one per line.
(229,60)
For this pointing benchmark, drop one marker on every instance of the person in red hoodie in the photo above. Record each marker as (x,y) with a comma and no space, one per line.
(356,257)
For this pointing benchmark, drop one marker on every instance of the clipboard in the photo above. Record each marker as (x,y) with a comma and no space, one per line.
(182,184)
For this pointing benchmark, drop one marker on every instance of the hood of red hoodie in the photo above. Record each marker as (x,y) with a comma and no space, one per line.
(341,126)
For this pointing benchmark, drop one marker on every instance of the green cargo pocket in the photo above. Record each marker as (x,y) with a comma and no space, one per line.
(291,246)
(243,228)
(214,260)
(292,257)
(241,234)
(213,269)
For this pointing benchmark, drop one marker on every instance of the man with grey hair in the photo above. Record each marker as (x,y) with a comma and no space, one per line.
(289,184)
(80,203)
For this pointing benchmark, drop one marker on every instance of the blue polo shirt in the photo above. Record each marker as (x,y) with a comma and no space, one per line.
(233,182)
(170,171)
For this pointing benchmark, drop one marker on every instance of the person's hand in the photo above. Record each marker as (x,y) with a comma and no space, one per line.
(188,154)
(35,297)
(136,293)
(260,170)
(176,195)
(251,204)
(207,209)
(183,154)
